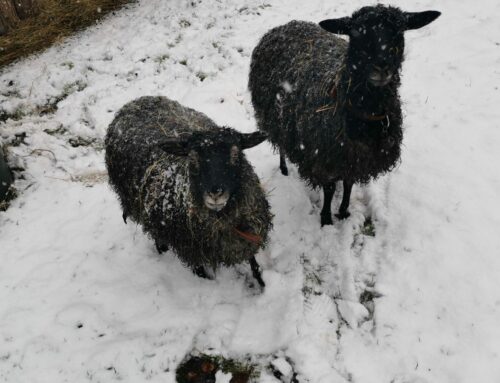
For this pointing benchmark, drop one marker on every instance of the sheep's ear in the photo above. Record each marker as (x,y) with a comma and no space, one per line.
(250,140)
(340,26)
(177,146)
(416,20)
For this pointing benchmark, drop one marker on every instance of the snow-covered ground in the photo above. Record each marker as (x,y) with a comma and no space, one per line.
(412,298)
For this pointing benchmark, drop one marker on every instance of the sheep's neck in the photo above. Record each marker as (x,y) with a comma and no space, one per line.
(363,99)
(367,109)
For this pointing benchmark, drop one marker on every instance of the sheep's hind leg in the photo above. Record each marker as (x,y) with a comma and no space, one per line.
(344,205)
(200,272)
(256,271)
(283,167)
(326,212)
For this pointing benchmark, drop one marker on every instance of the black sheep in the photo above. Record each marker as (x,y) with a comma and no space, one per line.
(187,182)
(331,106)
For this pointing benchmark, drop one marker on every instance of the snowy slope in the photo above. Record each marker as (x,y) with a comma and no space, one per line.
(86,298)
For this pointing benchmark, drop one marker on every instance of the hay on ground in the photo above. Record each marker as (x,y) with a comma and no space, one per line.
(57,19)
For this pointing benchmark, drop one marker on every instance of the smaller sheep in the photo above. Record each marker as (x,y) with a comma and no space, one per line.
(187,182)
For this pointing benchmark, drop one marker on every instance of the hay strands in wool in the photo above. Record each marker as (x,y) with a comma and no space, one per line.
(360,115)
(333,94)
(327,107)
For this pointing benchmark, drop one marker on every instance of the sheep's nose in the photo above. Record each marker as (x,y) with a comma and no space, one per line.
(387,73)
(383,70)
(380,76)
(216,192)
(216,198)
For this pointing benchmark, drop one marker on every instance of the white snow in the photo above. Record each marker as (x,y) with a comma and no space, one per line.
(85,297)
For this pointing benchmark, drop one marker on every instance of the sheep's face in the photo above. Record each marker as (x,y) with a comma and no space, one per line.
(376,49)
(215,163)
(216,173)
(376,40)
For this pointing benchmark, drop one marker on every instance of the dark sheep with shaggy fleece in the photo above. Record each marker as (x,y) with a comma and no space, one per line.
(187,182)
(332,106)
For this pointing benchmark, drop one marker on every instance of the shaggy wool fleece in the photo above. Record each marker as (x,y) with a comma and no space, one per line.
(299,84)
(156,188)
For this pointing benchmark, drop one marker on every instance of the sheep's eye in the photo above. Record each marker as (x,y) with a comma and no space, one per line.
(394,50)
(234,155)
(194,158)
(355,33)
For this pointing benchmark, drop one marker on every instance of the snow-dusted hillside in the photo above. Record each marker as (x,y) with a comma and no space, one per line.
(412,297)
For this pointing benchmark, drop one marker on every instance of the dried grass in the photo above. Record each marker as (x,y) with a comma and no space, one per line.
(57,20)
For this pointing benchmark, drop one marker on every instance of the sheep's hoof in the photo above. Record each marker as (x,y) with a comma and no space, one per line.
(256,272)
(161,247)
(283,167)
(200,272)
(343,215)
(326,219)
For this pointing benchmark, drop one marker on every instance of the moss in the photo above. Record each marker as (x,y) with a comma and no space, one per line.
(68,64)
(60,130)
(201,75)
(9,196)
(184,23)
(368,228)
(81,141)
(16,115)
(367,299)
(202,368)
(48,108)
(162,58)
(312,282)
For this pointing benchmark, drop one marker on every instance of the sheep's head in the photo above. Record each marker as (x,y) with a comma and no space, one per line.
(215,162)
(376,40)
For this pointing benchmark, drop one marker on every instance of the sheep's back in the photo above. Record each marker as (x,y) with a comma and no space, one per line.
(142,124)
(132,148)
(294,69)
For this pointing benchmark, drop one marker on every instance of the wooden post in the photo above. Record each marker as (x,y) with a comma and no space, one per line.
(26,8)
(5,177)
(8,16)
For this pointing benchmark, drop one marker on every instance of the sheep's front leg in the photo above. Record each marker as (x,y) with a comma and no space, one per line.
(256,271)
(326,212)
(344,205)
(283,168)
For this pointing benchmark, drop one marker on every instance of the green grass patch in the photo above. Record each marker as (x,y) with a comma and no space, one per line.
(204,367)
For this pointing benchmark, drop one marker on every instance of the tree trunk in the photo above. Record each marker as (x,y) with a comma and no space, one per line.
(26,8)
(8,16)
